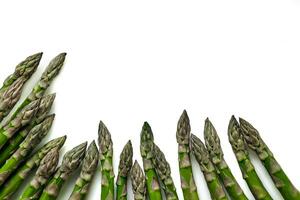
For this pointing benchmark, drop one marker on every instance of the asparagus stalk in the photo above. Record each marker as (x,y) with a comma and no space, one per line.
(280,179)
(15,181)
(13,144)
(24,70)
(239,148)
(44,172)
(138,182)
(213,146)
(32,140)
(207,167)
(146,148)
(183,133)
(21,119)
(163,170)
(88,170)
(124,170)
(70,163)
(106,162)
(43,84)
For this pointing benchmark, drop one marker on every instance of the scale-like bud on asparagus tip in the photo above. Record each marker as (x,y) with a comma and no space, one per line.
(104,141)
(27,67)
(146,141)
(138,182)
(126,160)
(90,161)
(183,129)
(57,142)
(235,136)
(212,140)
(45,106)
(200,152)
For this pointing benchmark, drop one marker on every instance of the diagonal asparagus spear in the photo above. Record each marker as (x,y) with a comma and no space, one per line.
(106,162)
(70,163)
(124,169)
(32,140)
(281,180)
(146,148)
(46,169)
(239,148)
(163,170)
(88,170)
(213,146)
(15,181)
(22,118)
(183,133)
(138,181)
(207,167)
(13,144)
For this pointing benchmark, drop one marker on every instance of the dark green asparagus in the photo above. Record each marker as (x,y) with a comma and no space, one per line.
(138,181)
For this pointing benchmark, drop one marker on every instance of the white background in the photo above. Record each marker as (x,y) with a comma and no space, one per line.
(131,61)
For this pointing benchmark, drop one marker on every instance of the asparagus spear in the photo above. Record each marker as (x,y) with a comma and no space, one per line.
(138,182)
(163,170)
(43,84)
(88,170)
(13,144)
(44,172)
(124,169)
(207,167)
(32,140)
(183,133)
(70,163)
(146,148)
(22,118)
(25,69)
(106,162)
(15,181)
(239,148)
(213,146)
(281,180)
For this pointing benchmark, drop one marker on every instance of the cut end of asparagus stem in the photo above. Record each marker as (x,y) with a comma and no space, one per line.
(104,141)
(138,181)
(200,152)
(183,129)
(235,136)
(90,161)
(212,141)
(126,160)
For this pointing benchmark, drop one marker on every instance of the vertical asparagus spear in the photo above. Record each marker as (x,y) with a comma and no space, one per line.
(32,140)
(207,167)
(183,133)
(213,145)
(138,182)
(239,148)
(44,172)
(42,85)
(281,180)
(124,169)
(163,170)
(22,118)
(25,69)
(88,170)
(146,147)
(70,163)
(15,181)
(13,144)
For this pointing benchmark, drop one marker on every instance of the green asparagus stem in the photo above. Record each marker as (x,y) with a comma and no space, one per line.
(239,148)
(207,167)
(88,170)
(13,144)
(43,84)
(25,69)
(146,148)
(70,163)
(32,140)
(138,180)
(213,146)
(15,181)
(183,133)
(280,179)
(163,170)
(124,170)
(45,171)
(106,162)
(22,118)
